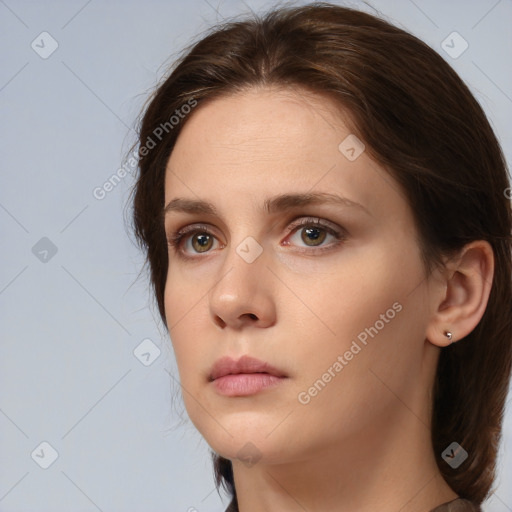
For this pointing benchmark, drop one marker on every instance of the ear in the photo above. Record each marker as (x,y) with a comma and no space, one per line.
(461,294)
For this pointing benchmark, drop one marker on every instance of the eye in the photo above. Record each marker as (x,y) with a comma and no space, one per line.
(197,238)
(201,242)
(313,233)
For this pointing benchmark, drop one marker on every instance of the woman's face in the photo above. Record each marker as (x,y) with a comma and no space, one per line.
(305,258)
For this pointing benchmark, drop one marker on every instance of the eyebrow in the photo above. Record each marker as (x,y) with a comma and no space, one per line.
(271,205)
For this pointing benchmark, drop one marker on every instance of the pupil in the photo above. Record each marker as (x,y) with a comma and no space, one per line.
(310,232)
(202,239)
(201,242)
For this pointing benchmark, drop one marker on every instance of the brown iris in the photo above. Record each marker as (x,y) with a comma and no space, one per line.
(313,235)
(204,242)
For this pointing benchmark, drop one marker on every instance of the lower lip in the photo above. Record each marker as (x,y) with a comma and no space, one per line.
(244,384)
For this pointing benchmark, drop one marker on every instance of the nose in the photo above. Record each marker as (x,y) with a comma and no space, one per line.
(244,294)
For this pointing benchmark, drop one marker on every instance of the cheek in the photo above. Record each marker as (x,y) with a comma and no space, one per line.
(356,290)
(368,310)
(181,309)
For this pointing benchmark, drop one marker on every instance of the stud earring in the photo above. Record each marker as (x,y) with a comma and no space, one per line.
(448,334)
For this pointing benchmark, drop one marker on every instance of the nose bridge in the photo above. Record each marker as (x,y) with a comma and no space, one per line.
(242,288)
(243,267)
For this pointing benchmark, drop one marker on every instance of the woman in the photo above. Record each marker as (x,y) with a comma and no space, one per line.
(323,206)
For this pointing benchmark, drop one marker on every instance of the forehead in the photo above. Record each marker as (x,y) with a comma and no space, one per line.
(259,130)
(265,141)
(257,119)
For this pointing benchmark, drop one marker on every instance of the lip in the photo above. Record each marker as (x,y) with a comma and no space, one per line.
(245,376)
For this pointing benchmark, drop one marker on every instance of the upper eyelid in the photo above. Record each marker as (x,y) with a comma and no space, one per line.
(297,222)
(304,220)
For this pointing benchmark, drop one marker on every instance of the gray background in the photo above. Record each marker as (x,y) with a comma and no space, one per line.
(70,321)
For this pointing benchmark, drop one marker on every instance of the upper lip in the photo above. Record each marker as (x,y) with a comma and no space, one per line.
(245,364)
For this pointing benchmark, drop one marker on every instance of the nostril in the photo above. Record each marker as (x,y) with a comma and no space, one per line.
(220,322)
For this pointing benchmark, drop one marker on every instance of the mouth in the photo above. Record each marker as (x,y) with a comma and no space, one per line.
(245,376)
(246,365)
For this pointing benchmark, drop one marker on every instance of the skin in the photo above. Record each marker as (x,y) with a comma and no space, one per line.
(363,442)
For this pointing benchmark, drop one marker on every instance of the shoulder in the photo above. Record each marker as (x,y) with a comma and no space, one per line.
(457,505)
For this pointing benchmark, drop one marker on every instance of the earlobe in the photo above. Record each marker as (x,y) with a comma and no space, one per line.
(463,294)
(442,337)
(449,335)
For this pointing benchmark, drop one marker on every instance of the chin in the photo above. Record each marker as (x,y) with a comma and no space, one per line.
(247,444)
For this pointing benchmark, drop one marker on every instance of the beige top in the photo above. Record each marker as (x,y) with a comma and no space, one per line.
(457,505)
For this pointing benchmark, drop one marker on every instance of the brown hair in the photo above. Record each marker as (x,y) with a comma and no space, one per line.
(419,120)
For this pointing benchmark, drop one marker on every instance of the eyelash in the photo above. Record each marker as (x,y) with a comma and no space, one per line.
(176,239)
